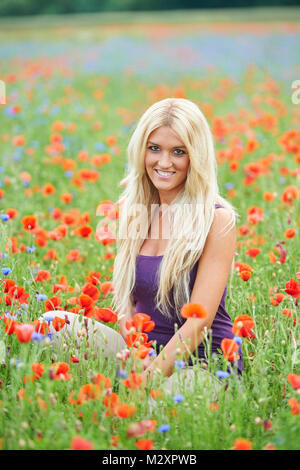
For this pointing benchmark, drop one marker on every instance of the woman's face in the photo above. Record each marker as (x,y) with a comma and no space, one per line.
(166,162)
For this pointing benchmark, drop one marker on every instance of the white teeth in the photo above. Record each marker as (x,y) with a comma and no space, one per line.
(164,173)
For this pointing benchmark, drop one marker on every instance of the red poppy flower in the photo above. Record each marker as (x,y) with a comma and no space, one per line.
(290,194)
(10,325)
(255,215)
(78,443)
(277,299)
(229,348)
(17,293)
(91,290)
(242,444)
(193,310)
(290,233)
(43,275)
(58,323)
(53,304)
(245,275)
(293,288)
(253,252)
(142,351)
(136,339)
(110,402)
(294,380)
(105,235)
(94,278)
(123,410)
(24,332)
(38,369)
(105,315)
(141,322)
(29,223)
(243,326)
(83,231)
(145,444)
(59,371)
(134,381)
(295,406)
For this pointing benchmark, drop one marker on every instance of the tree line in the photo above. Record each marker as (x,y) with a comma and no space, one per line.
(38,7)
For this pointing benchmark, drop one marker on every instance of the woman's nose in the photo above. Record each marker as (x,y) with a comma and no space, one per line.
(165,160)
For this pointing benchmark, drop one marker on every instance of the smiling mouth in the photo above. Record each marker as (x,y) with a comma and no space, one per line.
(164,174)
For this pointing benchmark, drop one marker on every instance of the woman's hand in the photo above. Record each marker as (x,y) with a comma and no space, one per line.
(147,361)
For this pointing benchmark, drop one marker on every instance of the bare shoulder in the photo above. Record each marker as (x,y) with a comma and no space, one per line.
(223,225)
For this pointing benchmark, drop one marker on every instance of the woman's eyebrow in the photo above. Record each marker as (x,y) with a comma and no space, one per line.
(176,146)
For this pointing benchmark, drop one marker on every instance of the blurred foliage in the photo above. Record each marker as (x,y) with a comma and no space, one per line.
(34,7)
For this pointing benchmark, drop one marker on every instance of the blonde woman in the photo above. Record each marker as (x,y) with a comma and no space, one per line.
(185,247)
(176,243)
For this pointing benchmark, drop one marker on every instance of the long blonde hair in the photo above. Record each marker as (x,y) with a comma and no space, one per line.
(199,193)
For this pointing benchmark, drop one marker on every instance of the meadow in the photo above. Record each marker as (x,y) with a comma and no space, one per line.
(73,96)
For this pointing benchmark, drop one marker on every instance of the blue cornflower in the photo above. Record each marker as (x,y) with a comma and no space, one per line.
(49,318)
(281,180)
(229,185)
(35,144)
(16,363)
(3,255)
(41,297)
(178,398)
(238,340)
(50,336)
(5,271)
(164,428)
(12,317)
(69,174)
(122,374)
(100,146)
(54,110)
(179,364)
(30,249)
(152,353)
(36,336)
(24,306)
(4,217)
(222,374)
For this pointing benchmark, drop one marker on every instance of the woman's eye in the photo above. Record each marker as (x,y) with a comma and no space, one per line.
(151,147)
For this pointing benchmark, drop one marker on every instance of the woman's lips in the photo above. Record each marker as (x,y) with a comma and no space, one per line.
(170,174)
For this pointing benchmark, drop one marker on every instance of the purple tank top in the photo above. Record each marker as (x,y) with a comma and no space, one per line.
(144,292)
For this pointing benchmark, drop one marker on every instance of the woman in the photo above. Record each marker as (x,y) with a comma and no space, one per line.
(178,171)
(173,246)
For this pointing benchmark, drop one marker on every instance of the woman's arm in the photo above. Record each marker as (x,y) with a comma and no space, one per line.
(212,274)
(126,317)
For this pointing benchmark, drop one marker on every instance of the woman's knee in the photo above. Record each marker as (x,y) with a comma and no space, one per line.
(103,336)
